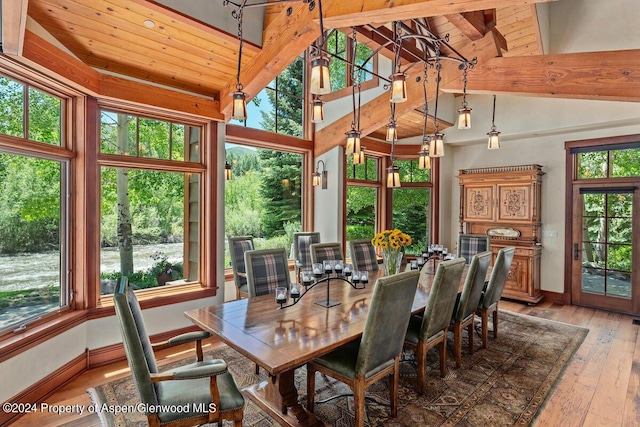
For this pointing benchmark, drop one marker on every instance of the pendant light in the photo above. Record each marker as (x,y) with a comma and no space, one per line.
(464,114)
(239,105)
(424,161)
(436,144)
(320,81)
(494,138)
(317,111)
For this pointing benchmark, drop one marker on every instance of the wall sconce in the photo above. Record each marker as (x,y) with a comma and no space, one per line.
(320,177)
(228,173)
(494,139)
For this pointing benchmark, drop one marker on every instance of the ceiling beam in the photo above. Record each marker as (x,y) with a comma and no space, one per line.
(612,75)
(340,13)
(14,23)
(475,24)
(376,112)
(283,41)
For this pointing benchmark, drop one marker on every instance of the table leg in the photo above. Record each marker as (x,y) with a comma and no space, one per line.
(278,397)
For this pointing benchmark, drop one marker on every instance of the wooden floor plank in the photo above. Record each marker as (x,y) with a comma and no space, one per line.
(631,415)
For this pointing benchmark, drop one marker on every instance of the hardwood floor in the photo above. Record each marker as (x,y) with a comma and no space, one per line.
(600,386)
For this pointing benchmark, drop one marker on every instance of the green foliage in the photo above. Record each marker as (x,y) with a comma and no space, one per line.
(286,97)
(12,107)
(410,214)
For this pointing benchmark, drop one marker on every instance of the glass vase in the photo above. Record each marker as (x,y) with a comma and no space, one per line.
(392,260)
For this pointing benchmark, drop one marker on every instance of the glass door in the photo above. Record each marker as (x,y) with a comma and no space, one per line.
(603,270)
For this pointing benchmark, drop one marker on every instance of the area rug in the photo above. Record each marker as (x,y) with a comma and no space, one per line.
(503,385)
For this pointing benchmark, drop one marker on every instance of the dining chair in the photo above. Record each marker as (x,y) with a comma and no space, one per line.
(302,241)
(467,302)
(491,296)
(326,251)
(238,245)
(267,269)
(206,388)
(430,328)
(363,255)
(376,354)
(471,244)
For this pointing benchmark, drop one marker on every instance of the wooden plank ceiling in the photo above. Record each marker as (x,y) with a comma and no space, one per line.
(142,40)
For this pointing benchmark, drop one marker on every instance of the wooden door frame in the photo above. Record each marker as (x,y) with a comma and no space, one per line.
(571,173)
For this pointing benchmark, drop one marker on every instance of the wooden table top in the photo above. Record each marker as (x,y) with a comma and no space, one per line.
(284,339)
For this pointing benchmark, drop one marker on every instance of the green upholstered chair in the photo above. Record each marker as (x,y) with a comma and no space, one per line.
(205,387)
(363,255)
(238,245)
(491,296)
(302,241)
(467,302)
(376,354)
(326,251)
(267,269)
(429,329)
(471,244)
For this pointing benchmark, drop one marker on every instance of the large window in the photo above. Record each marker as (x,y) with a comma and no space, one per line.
(279,107)
(150,209)
(341,48)
(411,204)
(33,210)
(264,198)
(363,189)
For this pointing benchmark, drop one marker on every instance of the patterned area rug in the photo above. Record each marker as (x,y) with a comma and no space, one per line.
(506,384)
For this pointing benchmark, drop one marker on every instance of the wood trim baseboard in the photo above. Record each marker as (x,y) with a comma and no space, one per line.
(46,386)
(115,352)
(557,297)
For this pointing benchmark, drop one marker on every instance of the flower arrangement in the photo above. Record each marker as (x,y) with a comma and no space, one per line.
(391,242)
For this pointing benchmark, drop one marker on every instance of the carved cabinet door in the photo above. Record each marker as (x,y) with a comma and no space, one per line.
(478,201)
(514,203)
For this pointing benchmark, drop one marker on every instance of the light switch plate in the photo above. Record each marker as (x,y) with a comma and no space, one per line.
(549,233)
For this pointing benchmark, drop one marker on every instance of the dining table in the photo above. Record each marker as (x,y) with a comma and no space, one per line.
(282,338)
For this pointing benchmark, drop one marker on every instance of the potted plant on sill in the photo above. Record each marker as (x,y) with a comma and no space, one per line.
(164,270)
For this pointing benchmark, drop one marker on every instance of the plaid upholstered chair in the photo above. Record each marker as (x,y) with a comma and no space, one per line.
(471,244)
(302,242)
(363,255)
(238,245)
(267,269)
(325,251)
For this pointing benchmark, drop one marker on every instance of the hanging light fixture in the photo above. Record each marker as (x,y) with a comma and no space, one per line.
(494,139)
(353,135)
(320,82)
(239,105)
(424,161)
(398,79)
(358,158)
(320,177)
(393,176)
(436,144)
(317,110)
(392,127)
(464,114)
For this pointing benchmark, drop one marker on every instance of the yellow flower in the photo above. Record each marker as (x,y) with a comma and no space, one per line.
(394,239)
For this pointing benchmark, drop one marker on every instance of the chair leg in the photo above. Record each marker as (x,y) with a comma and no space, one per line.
(495,322)
(457,343)
(485,327)
(393,387)
(421,359)
(443,355)
(471,334)
(311,388)
(358,400)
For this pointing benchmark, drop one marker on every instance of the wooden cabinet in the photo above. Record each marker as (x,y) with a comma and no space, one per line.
(504,203)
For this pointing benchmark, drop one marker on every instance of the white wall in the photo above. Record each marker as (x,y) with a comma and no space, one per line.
(328,209)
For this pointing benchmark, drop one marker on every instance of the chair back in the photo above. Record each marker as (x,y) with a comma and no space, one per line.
(302,242)
(471,244)
(498,277)
(238,245)
(387,320)
(363,255)
(267,269)
(442,298)
(136,342)
(323,251)
(473,286)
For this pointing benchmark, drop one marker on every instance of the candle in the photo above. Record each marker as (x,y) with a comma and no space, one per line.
(281,295)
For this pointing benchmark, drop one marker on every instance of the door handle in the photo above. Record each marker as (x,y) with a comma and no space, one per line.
(576,251)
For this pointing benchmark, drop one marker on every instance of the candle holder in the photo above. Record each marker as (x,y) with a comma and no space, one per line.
(324,273)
